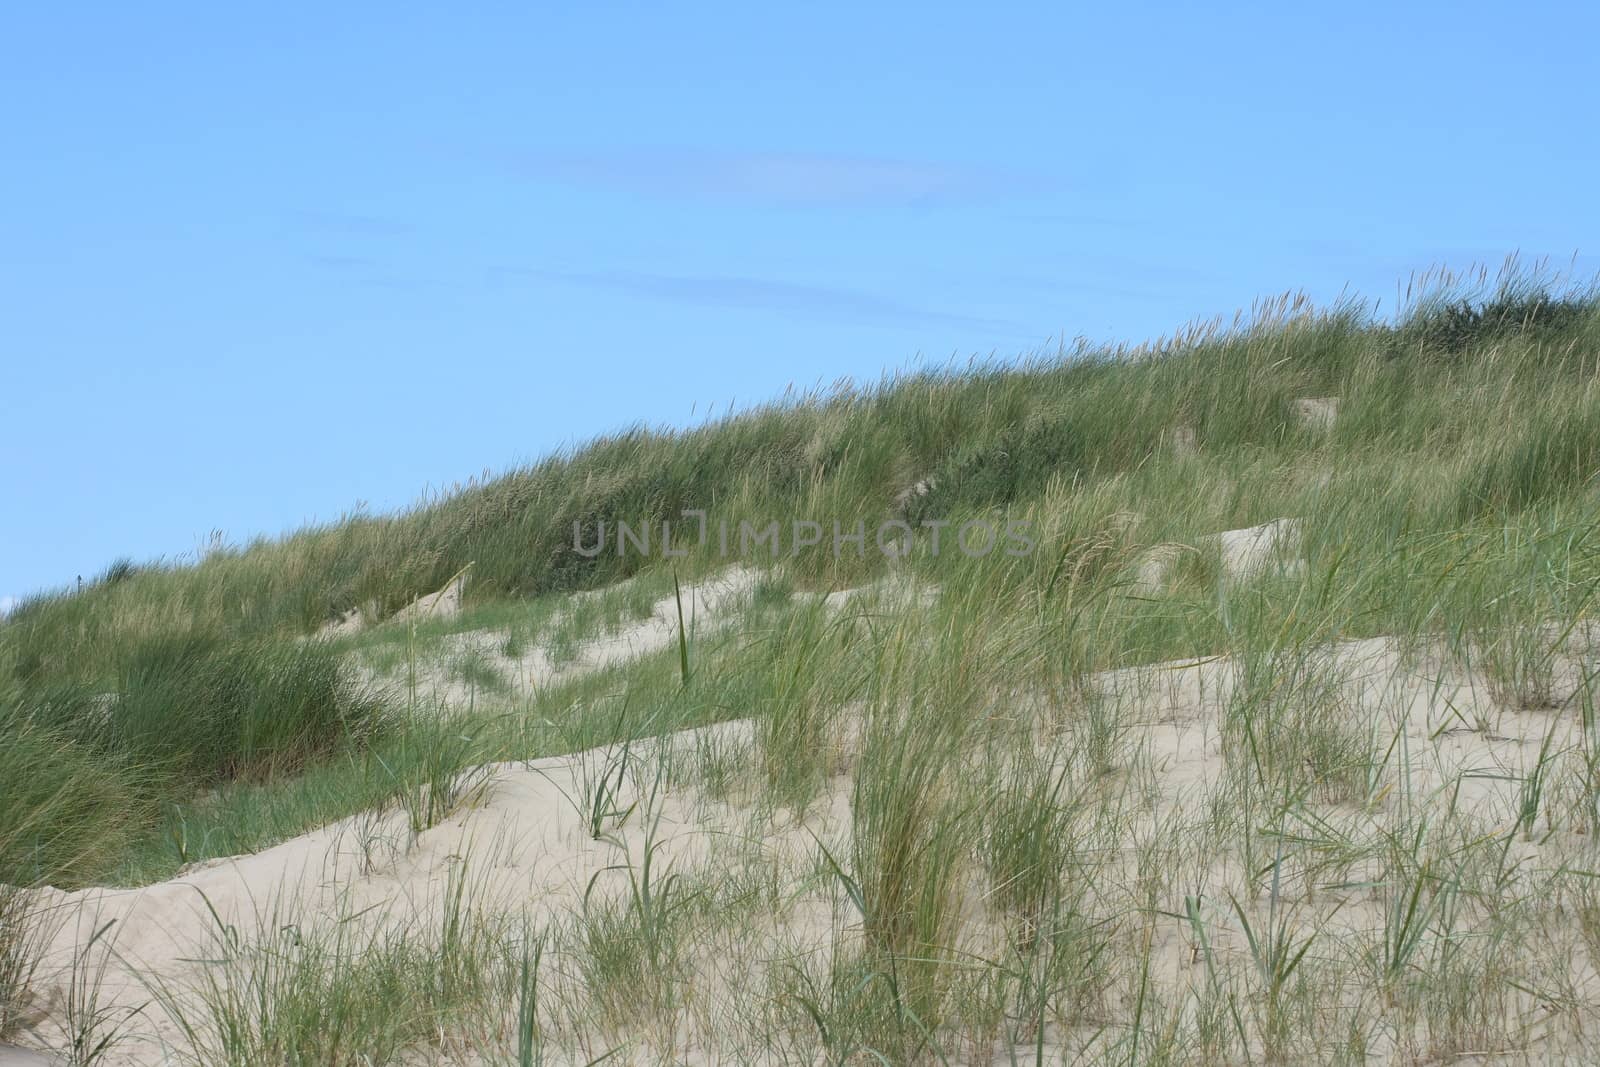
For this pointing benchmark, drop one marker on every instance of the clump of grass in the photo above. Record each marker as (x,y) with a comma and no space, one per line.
(476,670)
(801,674)
(1416,896)
(1291,730)
(94,1029)
(1520,603)
(1519,664)
(1033,843)
(426,766)
(1473,981)
(208,710)
(66,813)
(632,946)
(514,644)
(717,766)
(20,937)
(605,778)
(773,590)
(912,832)
(360,990)
(1278,947)
(437,772)
(1029,839)
(118,570)
(189,713)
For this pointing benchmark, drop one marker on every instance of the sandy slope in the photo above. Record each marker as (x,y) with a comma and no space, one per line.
(523,842)
(708,607)
(528,852)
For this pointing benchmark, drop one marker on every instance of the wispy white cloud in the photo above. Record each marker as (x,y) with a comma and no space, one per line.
(765,294)
(7,603)
(348,224)
(334,261)
(781,177)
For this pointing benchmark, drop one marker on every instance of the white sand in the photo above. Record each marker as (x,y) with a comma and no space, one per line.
(708,607)
(1245,554)
(528,850)
(1318,412)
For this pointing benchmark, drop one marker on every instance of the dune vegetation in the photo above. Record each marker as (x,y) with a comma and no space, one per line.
(1276,744)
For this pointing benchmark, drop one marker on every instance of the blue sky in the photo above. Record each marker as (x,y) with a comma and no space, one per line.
(260,264)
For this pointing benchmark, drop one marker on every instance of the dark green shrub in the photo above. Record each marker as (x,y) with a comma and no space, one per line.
(1455,327)
(119,570)
(1016,465)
